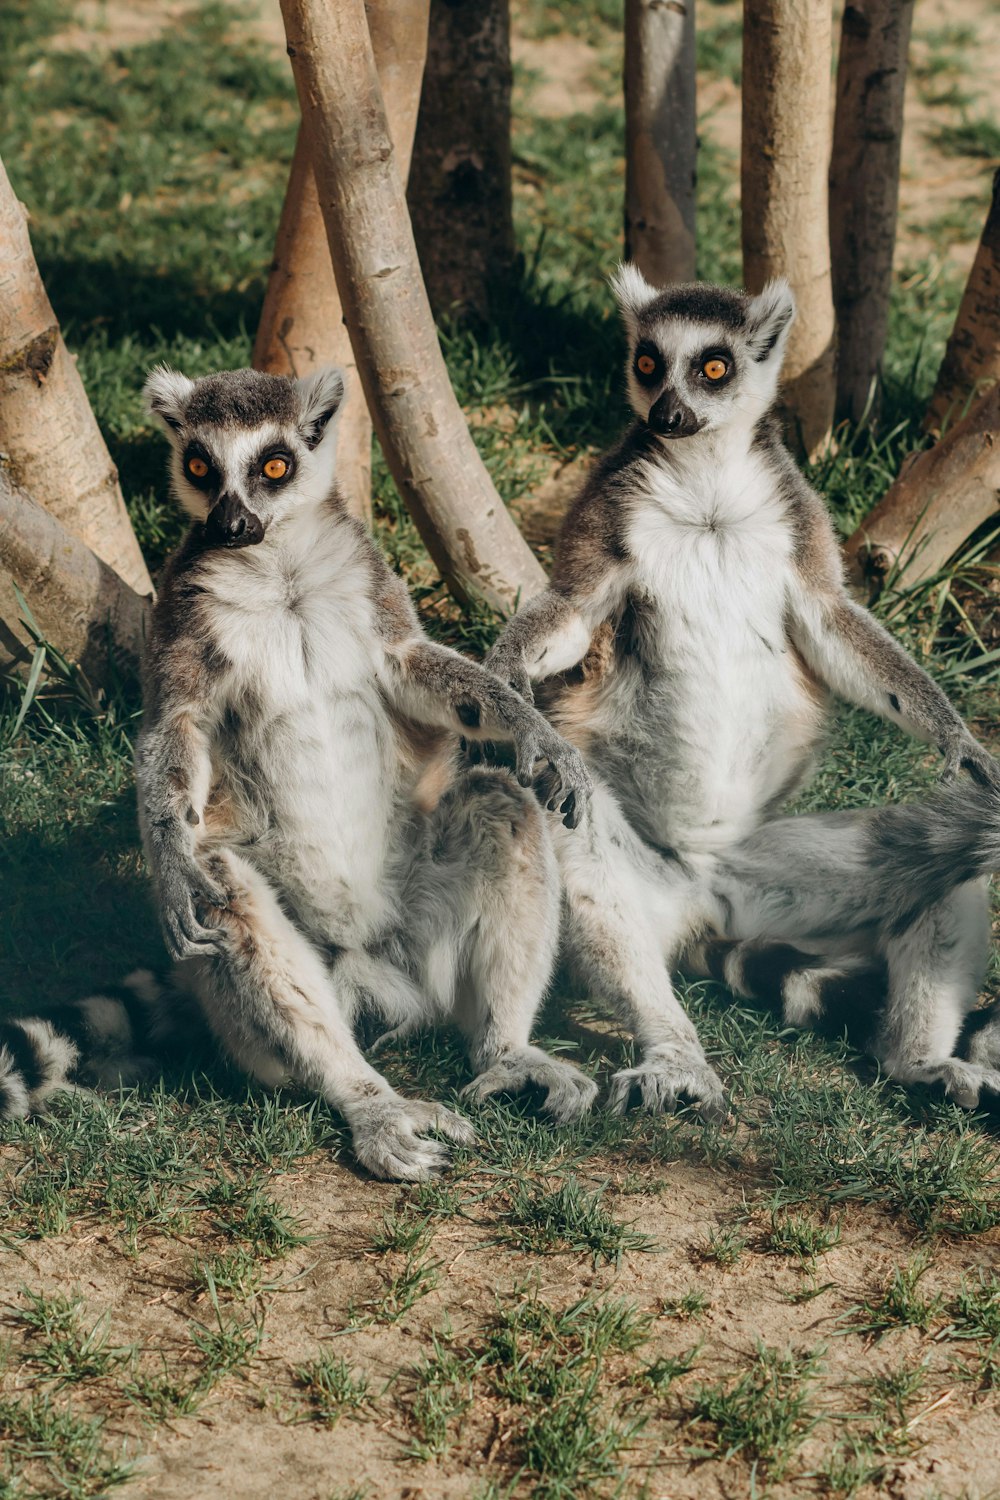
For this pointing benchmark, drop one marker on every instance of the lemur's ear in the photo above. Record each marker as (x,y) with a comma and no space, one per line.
(167,393)
(321,396)
(632,291)
(770,317)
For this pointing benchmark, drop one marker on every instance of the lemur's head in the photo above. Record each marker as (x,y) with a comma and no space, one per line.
(247,449)
(700,356)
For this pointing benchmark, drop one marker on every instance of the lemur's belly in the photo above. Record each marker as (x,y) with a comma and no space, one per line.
(708,718)
(306,756)
(721,747)
(313,791)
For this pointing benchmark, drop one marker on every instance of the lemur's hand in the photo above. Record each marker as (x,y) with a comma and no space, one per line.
(964,753)
(508,665)
(183,887)
(566,785)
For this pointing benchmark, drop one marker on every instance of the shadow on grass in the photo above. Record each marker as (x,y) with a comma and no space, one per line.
(76,908)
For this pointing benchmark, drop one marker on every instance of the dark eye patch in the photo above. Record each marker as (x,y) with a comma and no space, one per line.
(274,467)
(648,364)
(199,469)
(705,367)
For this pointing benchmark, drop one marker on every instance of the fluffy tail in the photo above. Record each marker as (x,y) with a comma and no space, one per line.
(111,1038)
(923,850)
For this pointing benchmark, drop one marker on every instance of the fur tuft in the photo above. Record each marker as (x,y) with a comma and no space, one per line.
(322,396)
(770,318)
(167,392)
(632,292)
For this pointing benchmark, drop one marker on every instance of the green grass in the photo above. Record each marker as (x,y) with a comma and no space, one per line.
(63,1347)
(764,1414)
(568,1218)
(71,1455)
(900,1303)
(331,1389)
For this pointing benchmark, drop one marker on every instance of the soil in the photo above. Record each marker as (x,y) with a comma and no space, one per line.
(250,1439)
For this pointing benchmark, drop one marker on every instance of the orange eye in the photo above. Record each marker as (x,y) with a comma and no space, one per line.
(276,468)
(645,364)
(714,369)
(198,467)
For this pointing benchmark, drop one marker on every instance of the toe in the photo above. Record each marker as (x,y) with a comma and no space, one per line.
(447,1123)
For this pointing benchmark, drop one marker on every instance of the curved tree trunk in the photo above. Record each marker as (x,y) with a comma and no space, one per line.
(785,165)
(864,188)
(79,603)
(420,426)
(661,139)
(301,324)
(941,496)
(972,357)
(51,442)
(459,192)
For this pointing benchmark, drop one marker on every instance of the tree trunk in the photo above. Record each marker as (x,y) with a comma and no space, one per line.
(459,193)
(785,164)
(864,188)
(52,445)
(79,603)
(301,324)
(972,358)
(420,426)
(941,496)
(661,139)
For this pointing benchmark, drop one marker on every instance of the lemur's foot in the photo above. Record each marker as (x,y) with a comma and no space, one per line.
(668,1073)
(569,1093)
(966,1083)
(388,1137)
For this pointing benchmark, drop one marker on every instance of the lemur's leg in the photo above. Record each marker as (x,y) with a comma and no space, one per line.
(629,912)
(936,965)
(485,921)
(816,882)
(270,999)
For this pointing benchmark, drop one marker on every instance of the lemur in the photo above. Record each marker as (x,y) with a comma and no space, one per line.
(696,625)
(316,849)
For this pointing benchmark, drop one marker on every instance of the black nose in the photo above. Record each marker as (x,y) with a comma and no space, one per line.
(232,525)
(670,417)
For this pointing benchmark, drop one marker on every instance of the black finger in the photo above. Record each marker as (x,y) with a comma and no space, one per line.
(570,813)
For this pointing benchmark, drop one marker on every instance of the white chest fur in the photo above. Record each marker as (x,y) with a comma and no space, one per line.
(293,617)
(731,714)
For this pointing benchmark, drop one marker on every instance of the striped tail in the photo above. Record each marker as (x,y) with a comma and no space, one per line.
(111,1038)
(923,850)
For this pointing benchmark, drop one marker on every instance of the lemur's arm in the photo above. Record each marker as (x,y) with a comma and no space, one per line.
(860,661)
(553,631)
(173,777)
(440,687)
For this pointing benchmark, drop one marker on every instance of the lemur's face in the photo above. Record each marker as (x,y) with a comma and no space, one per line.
(247,449)
(701,357)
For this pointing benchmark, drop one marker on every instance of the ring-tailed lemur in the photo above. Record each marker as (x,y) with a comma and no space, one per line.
(696,622)
(315,848)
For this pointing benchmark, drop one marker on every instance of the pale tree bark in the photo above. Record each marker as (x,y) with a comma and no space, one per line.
(785,164)
(420,425)
(864,188)
(661,139)
(50,441)
(79,603)
(972,357)
(940,498)
(301,324)
(460,190)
